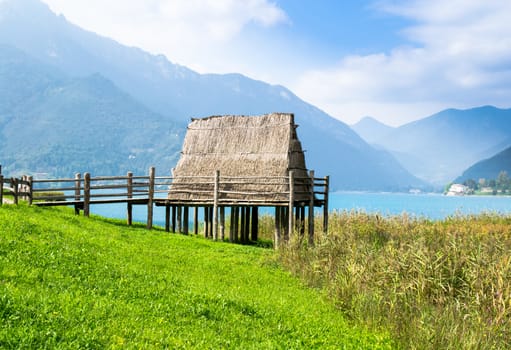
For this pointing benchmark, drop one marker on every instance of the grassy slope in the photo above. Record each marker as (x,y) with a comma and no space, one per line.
(71,282)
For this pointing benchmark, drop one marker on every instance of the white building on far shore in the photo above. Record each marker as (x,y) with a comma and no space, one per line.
(458,190)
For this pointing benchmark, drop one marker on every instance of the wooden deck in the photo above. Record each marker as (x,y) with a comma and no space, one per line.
(83,192)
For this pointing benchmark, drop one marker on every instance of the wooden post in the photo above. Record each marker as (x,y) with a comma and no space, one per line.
(242,225)
(222,223)
(22,187)
(150,198)
(311,209)
(129,207)
(1,188)
(86,194)
(301,219)
(255,224)
(291,204)
(231,226)
(179,219)
(206,222)
(186,213)
(325,205)
(174,218)
(236,223)
(296,213)
(277,227)
(215,205)
(285,223)
(196,220)
(30,180)
(78,192)
(14,185)
(167,218)
(247,224)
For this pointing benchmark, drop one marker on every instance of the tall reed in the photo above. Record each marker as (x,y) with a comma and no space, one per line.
(433,284)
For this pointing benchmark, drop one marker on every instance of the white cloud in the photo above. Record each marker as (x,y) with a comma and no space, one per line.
(197,33)
(461,58)
(460,54)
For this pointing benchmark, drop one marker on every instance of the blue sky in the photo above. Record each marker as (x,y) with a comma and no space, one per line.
(395,60)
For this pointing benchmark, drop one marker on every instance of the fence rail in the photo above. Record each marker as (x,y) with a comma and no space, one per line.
(82,192)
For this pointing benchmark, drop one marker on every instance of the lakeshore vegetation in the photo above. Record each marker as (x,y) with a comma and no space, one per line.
(372,282)
(433,284)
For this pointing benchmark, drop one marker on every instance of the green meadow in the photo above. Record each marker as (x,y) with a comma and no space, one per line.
(71,282)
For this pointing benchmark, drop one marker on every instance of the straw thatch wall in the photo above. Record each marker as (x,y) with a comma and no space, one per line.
(253,154)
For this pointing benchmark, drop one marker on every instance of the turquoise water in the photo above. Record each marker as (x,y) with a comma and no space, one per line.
(433,206)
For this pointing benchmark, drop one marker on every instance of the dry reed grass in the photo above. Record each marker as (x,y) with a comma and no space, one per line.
(433,284)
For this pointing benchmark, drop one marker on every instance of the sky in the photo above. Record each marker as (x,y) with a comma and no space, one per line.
(394,60)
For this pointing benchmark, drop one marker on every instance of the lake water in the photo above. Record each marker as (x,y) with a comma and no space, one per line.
(433,206)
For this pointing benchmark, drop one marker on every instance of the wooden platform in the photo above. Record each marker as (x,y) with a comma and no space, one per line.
(84,192)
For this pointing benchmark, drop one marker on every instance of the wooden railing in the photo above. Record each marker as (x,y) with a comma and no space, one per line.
(212,191)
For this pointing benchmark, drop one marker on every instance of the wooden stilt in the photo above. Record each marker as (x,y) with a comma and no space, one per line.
(231,226)
(296,213)
(311,209)
(302,220)
(222,223)
(247,225)
(255,224)
(242,225)
(179,219)
(291,205)
(2,188)
(206,222)
(210,233)
(286,219)
(174,210)
(236,224)
(167,218)
(278,231)
(195,220)
(215,205)
(325,205)
(186,220)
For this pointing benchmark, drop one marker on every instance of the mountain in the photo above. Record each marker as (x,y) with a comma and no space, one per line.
(60,125)
(438,148)
(174,92)
(371,130)
(488,168)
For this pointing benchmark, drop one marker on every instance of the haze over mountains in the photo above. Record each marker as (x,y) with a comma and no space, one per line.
(55,124)
(488,168)
(440,147)
(74,101)
(371,129)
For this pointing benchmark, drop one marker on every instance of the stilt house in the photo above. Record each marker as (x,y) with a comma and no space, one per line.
(241,163)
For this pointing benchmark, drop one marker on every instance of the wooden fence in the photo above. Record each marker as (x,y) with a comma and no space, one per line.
(215,195)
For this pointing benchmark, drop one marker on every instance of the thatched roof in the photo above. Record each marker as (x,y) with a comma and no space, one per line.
(253,154)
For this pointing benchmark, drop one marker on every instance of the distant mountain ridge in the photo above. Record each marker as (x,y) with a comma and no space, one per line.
(172,94)
(55,124)
(371,130)
(440,147)
(488,169)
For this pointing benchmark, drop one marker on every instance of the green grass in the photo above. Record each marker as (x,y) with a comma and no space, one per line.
(72,282)
(433,284)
